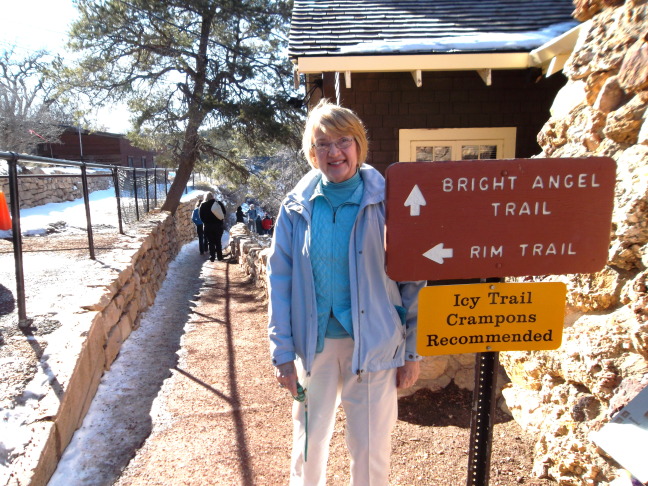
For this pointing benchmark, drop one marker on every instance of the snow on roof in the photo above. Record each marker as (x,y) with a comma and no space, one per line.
(489,41)
(341,27)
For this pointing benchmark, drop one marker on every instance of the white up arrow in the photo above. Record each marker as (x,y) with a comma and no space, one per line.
(438,253)
(415,200)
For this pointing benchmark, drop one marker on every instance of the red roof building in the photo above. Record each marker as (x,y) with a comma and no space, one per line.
(99,148)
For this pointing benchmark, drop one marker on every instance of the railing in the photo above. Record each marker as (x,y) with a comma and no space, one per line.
(132,193)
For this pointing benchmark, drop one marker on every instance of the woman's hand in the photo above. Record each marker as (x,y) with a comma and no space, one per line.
(287,377)
(407,374)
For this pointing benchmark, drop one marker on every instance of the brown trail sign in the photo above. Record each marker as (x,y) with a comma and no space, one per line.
(498,218)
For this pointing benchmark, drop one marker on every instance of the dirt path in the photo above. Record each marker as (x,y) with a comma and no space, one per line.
(222,420)
(228,422)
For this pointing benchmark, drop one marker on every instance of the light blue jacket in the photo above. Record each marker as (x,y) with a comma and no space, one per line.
(381,340)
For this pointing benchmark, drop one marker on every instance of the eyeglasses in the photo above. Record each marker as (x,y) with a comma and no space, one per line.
(340,143)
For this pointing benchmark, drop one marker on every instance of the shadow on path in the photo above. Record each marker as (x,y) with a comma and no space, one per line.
(234,401)
(245,466)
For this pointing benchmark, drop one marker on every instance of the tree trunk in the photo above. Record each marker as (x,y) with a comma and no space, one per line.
(179,183)
(196,115)
(187,161)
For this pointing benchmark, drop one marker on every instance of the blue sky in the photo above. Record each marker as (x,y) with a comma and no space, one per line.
(31,25)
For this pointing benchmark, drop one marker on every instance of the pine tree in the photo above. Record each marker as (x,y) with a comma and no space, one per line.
(187,66)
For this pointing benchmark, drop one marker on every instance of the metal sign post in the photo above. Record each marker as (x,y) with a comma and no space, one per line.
(481,419)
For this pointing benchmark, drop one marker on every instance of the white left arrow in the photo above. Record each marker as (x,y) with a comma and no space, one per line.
(438,253)
(415,200)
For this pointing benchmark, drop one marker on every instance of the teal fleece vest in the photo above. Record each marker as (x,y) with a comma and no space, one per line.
(335,210)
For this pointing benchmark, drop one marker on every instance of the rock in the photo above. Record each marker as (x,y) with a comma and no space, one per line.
(611,96)
(623,124)
(560,395)
(633,73)
(586,9)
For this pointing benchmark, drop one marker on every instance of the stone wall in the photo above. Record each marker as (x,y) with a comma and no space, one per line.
(103,316)
(561,396)
(251,251)
(37,191)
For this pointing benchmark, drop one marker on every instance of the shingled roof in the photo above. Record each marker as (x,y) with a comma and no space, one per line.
(343,27)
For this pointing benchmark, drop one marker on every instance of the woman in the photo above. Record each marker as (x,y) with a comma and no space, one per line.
(338,325)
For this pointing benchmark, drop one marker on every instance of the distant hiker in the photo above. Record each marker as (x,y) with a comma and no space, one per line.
(203,242)
(252,216)
(267,224)
(212,214)
(240,217)
(259,226)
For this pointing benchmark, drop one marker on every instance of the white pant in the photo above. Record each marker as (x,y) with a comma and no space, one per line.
(371,410)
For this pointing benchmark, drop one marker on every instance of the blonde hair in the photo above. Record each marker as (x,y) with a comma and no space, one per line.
(208,197)
(336,121)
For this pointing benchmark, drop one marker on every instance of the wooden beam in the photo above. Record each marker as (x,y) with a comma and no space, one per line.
(563,44)
(409,63)
(556,64)
(486,75)
(417,74)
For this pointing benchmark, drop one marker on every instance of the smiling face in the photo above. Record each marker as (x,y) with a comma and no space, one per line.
(338,165)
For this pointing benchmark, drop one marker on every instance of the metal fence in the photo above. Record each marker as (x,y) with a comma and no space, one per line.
(137,192)
(140,190)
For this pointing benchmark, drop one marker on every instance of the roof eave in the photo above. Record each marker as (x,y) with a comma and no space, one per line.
(552,56)
(412,62)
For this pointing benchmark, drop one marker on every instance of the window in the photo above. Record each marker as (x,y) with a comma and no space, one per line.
(130,161)
(444,144)
(478,152)
(143,161)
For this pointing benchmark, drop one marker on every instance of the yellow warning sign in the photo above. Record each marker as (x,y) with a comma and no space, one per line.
(477,318)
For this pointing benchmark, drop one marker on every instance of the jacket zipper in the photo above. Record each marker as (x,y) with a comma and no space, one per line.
(359,340)
(355,249)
